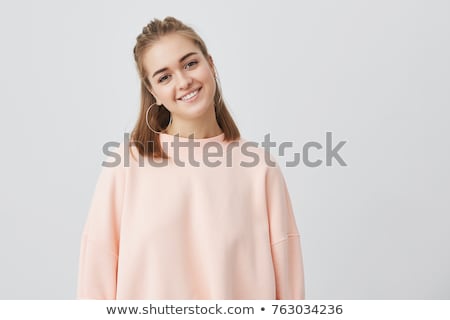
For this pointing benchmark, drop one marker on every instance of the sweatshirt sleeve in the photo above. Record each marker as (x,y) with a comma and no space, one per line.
(100,238)
(285,239)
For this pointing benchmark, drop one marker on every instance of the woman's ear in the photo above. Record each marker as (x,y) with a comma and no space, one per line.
(154,96)
(211,62)
(149,88)
(212,66)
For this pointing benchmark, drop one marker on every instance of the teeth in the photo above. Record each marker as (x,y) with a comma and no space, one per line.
(190,95)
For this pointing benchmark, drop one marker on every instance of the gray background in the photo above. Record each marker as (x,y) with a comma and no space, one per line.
(376,74)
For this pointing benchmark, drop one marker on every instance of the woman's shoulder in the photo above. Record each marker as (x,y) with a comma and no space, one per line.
(253,154)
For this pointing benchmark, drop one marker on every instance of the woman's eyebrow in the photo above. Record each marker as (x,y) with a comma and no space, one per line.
(187,55)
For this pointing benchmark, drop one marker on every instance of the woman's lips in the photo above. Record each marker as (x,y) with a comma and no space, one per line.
(191,98)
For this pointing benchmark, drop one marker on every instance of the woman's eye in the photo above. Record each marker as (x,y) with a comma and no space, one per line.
(163,78)
(191,64)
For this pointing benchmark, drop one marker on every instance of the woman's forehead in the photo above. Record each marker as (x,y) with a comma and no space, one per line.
(168,50)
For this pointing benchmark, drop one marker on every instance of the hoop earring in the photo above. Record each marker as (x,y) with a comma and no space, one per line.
(148,124)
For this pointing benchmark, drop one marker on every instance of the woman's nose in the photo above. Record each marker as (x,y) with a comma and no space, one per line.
(184,80)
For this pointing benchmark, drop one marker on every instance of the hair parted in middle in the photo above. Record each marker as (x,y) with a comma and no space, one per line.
(146,141)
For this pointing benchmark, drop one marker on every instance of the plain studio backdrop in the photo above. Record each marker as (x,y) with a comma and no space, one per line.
(375,74)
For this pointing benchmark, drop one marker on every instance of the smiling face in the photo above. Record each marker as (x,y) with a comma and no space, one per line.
(181,77)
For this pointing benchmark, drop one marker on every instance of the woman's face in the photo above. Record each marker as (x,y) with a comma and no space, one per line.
(181,78)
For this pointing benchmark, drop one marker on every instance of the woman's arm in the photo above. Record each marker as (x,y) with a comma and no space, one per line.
(100,239)
(285,239)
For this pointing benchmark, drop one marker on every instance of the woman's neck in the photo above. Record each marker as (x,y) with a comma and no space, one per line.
(197,129)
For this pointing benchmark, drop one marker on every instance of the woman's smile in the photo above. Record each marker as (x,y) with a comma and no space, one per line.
(191,96)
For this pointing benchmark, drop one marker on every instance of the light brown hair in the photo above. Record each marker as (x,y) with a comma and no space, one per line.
(146,141)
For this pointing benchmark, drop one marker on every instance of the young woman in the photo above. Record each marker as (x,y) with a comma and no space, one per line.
(204,216)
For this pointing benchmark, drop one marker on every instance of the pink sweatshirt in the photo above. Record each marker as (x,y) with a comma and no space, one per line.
(219,230)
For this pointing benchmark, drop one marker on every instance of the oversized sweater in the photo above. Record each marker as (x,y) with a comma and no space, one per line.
(219,227)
